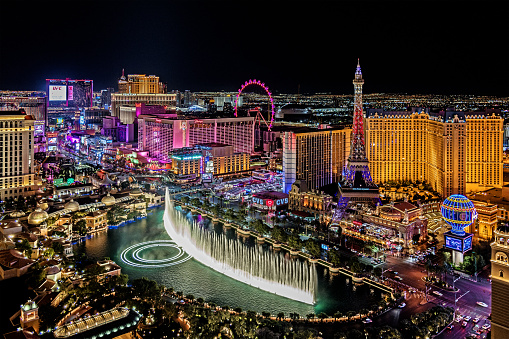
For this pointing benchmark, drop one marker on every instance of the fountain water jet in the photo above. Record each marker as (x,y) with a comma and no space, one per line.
(266,270)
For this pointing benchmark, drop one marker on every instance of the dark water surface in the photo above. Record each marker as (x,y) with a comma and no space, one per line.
(334,292)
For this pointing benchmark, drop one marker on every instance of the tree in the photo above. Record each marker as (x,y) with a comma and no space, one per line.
(335,257)
(294,241)
(184,199)
(350,314)
(24,247)
(280,316)
(57,247)
(49,253)
(278,234)
(310,316)
(322,315)
(265,314)
(356,267)
(80,227)
(338,315)
(313,248)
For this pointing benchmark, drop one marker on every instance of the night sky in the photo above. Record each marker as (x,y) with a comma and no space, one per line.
(454,47)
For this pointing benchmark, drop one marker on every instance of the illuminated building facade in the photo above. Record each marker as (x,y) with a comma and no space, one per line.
(16,154)
(161,136)
(140,84)
(213,158)
(131,99)
(314,156)
(310,201)
(500,283)
(455,152)
(33,105)
(487,220)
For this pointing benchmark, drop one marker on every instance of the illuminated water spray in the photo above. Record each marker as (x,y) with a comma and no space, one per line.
(266,270)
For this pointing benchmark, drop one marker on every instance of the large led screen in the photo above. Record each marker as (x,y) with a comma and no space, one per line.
(453,243)
(57,93)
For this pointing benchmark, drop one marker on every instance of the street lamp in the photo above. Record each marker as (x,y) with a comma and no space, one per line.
(456,300)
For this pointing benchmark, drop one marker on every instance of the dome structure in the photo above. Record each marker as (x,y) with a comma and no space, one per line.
(136,192)
(459,212)
(17,214)
(108,200)
(72,205)
(43,205)
(37,217)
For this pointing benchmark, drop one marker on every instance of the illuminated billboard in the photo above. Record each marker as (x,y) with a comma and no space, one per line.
(57,93)
(39,128)
(70,93)
(458,243)
(453,243)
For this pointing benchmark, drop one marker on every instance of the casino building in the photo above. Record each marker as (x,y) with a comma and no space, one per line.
(160,136)
(456,152)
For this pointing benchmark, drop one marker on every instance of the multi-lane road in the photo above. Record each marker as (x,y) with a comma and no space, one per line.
(469,293)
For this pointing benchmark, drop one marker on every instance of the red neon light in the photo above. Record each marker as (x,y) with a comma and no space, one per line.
(262,85)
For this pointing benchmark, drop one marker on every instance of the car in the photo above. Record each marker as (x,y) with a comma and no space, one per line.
(402,305)
(467,318)
(437,293)
(396,273)
(450,327)
(477,329)
(367,321)
(486,326)
(459,318)
(476,320)
(464,324)
(480,303)
(399,278)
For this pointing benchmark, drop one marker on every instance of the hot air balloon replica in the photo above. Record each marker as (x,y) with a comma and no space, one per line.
(458,212)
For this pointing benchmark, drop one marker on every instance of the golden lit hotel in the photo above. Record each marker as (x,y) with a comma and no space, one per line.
(456,152)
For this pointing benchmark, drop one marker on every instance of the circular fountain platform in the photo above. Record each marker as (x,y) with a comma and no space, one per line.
(136,255)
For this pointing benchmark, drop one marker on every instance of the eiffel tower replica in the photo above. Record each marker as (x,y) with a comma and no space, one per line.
(356,186)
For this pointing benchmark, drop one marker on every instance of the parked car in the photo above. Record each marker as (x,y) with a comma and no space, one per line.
(467,318)
(402,305)
(464,324)
(476,320)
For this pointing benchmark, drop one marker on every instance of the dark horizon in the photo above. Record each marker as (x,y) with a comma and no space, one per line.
(404,47)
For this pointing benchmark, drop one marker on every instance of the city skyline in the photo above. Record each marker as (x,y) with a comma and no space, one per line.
(417,47)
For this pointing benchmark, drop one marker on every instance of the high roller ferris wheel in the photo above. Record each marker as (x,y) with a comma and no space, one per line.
(259,116)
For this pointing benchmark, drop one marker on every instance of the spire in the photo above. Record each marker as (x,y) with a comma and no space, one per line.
(123,76)
(358,70)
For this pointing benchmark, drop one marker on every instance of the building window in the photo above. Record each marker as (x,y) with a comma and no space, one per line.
(501,274)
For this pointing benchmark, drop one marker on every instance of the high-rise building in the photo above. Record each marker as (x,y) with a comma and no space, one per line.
(456,152)
(500,283)
(160,135)
(130,100)
(314,156)
(16,153)
(140,84)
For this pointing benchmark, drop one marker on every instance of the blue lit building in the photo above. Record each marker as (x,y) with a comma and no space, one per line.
(458,212)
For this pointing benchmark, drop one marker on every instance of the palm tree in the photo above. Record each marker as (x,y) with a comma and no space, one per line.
(338,315)
(310,316)
(350,314)
(322,315)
